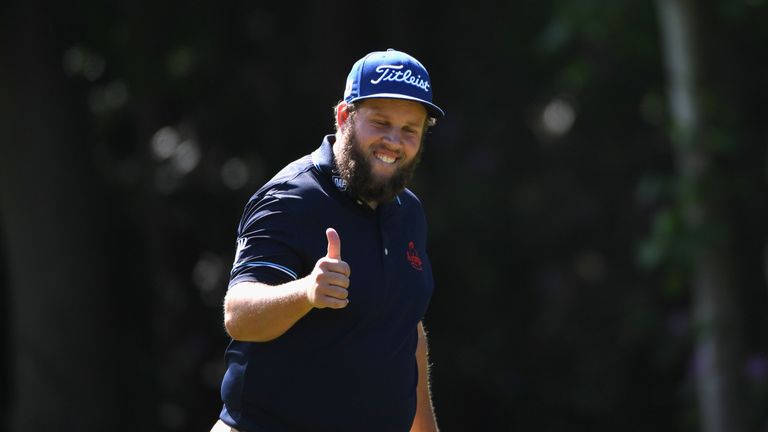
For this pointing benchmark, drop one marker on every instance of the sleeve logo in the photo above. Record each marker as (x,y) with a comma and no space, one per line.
(242,245)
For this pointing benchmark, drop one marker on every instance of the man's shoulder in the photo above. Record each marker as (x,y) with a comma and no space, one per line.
(296,177)
(292,187)
(411,205)
(409,199)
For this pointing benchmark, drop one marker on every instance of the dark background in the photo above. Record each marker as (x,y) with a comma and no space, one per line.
(132,135)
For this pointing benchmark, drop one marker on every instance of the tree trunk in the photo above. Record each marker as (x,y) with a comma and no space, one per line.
(715,309)
(71,355)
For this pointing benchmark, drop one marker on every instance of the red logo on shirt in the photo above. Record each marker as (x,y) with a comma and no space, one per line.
(413,256)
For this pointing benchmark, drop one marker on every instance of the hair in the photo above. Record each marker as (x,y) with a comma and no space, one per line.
(352,109)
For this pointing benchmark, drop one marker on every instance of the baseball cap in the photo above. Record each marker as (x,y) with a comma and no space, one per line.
(391,74)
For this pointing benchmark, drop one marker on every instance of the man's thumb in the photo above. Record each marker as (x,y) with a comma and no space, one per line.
(334,244)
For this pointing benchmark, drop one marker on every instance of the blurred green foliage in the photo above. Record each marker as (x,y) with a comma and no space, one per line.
(561,255)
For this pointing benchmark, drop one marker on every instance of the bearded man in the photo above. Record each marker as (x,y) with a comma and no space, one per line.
(325,341)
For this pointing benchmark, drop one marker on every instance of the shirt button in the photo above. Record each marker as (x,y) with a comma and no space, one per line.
(386,252)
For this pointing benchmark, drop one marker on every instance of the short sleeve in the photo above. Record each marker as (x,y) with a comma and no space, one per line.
(268,243)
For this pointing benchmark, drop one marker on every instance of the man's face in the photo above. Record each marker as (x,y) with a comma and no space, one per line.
(381,144)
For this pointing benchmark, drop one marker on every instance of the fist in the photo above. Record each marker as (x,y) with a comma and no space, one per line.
(329,280)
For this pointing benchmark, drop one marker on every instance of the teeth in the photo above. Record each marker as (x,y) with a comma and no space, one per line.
(385,159)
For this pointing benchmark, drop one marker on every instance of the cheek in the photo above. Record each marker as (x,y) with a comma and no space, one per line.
(365,138)
(366,131)
(411,149)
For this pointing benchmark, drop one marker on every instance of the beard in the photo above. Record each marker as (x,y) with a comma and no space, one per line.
(355,169)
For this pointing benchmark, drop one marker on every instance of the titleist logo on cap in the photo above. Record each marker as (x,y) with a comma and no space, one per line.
(393,73)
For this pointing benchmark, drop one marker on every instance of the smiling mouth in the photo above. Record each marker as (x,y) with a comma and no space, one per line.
(387,159)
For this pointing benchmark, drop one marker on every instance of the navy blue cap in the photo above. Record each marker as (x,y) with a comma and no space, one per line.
(391,74)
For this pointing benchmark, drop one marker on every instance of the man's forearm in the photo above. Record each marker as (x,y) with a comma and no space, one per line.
(255,312)
(425,414)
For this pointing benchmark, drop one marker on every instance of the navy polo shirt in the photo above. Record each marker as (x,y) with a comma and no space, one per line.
(350,369)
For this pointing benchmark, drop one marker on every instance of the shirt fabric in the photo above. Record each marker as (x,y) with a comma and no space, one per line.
(349,369)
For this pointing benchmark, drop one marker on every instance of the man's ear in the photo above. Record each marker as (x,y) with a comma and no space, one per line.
(342,114)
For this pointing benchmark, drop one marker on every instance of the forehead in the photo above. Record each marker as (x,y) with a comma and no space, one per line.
(405,109)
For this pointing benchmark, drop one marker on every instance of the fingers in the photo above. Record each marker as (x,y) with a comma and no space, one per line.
(333,303)
(334,244)
(331,289)
(333,279)
(330,277)
(334,266)
(331,296)
(334,292)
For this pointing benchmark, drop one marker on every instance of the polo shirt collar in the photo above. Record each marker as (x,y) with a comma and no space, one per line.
(323,159)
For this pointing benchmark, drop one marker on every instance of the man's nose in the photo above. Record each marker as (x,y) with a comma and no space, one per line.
(393,136)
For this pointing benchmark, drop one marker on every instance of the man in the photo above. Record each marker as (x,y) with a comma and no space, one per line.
(326,338)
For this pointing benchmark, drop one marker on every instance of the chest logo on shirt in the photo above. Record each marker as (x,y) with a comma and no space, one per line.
(413,256)
(340,183)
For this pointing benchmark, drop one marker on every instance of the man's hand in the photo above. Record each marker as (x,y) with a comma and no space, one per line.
(329,279)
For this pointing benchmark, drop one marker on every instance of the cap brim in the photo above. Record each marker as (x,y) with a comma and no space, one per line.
(432,109)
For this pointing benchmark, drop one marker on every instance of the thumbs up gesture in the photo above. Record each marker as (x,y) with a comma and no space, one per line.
(329,279)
